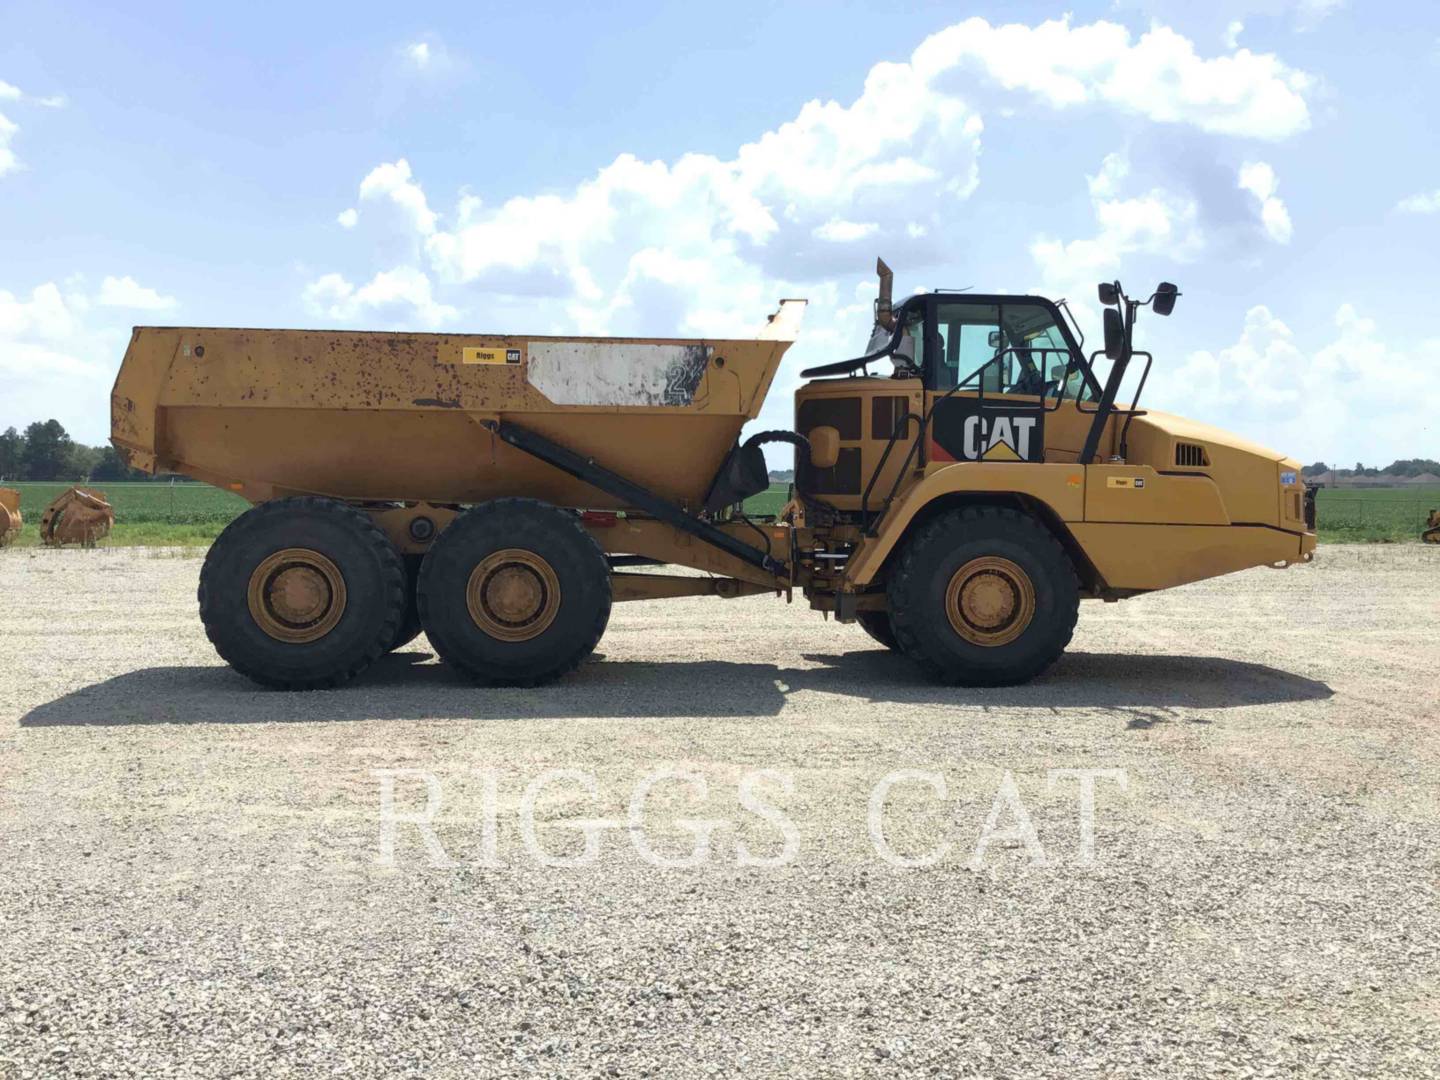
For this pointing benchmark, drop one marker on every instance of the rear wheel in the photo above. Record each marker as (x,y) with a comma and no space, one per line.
(877,625)
(301,593)
(983,596)
(514,593)
(408,628)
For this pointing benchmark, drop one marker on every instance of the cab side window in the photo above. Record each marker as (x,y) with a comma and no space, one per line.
(1016,349)
(967,332)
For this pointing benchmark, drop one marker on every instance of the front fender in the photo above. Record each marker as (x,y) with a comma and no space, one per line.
(1060,487)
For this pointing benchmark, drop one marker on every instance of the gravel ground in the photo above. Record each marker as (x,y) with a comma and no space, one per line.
(193,885)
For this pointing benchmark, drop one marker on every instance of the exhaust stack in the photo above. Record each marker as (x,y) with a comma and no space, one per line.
(883,315)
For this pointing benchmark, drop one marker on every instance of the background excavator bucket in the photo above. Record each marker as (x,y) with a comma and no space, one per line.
(1431,535)
(10,519)
(78,516)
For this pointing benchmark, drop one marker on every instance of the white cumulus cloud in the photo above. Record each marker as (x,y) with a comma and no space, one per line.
(702,243)
(8,130)
(57,359)
(391,295)
(1426,202)
(1153,222)
(1311,13)
(1348,397)
(1259,180)
(347,218)
(126,292)
(1159,76)
(394,183)
(9,162)
(842,232)
(894,163)
(419,53)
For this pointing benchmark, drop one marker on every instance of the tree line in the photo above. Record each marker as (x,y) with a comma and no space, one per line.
(45,451)
(1403,467)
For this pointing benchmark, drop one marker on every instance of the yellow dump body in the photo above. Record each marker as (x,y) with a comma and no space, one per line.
(399,417)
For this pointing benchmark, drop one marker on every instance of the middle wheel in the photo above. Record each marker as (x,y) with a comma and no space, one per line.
(877,625)
(514,593)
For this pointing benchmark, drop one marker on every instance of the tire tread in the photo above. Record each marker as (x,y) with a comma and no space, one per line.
(262,516)
(905,588)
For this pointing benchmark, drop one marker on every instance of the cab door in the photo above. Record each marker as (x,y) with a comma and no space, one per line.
(994,369)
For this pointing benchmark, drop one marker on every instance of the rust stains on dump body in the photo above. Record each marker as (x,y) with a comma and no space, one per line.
(395,416)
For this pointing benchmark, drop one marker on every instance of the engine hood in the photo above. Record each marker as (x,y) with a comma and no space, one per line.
(1187,430)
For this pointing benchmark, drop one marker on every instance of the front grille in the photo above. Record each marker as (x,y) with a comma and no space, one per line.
(842,478)
(843,414)
(1190,456)
(885,413)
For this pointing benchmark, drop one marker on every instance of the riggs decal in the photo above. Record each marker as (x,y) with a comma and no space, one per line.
(960,430)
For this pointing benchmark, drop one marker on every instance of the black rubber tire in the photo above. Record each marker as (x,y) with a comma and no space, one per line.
(930,559)
(877,625)
(408,628)
(580,567)
(374,584)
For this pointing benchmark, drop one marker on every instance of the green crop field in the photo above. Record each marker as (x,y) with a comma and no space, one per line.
(769,502)
(189,514)
(1374,514)
(184,513)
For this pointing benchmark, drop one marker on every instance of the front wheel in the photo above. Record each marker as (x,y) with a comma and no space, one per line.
(983,596)
(514,592)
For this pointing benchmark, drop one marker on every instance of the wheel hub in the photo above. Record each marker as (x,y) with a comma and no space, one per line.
(990,601)
(513,595)
(296,595)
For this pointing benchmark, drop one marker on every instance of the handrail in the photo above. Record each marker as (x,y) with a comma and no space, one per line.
(900,426)
(1134,412)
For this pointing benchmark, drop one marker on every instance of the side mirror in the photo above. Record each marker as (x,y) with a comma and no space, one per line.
(1165,294)
(1114,334)
(824,447)
(1109,293)
(994,339)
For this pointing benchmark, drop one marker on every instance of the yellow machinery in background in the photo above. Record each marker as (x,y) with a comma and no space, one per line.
(10,517)
(77,515)
(500,492)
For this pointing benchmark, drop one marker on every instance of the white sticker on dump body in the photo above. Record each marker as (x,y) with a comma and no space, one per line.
(617,373)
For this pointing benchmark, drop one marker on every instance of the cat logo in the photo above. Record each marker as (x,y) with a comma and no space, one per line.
(963,430)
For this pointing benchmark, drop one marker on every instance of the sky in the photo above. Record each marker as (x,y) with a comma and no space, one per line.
(675,170)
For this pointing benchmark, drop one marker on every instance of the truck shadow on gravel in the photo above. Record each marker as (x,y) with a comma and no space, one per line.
(406,686)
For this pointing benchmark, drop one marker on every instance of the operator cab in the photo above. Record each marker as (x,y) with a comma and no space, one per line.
(977,378)
(1010,345)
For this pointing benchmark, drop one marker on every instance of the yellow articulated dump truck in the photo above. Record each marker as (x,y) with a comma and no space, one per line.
(958,489)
